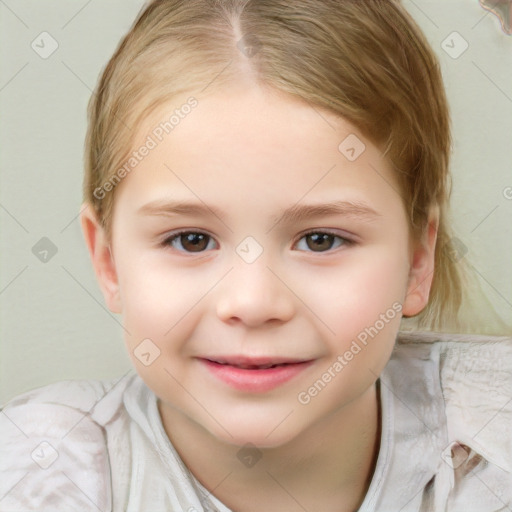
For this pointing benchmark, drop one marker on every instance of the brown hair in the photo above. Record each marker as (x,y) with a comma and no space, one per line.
(365,61)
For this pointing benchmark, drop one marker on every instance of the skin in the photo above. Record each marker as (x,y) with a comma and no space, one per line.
(253,153)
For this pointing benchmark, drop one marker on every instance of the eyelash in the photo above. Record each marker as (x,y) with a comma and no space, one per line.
(176,236)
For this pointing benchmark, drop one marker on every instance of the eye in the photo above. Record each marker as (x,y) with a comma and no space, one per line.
(196,242)
(320,241)
(189,241)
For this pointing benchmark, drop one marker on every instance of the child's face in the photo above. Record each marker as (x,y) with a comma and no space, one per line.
(249,157)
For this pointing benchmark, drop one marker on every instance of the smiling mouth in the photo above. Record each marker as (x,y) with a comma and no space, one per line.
(245,366)
(254,363)
(254,375)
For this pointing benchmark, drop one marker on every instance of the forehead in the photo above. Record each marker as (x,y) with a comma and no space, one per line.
(245,114)
(245,143)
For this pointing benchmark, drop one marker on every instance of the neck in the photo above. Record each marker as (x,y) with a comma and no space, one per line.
(335,458)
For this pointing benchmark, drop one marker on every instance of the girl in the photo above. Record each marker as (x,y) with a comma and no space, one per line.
(266,194)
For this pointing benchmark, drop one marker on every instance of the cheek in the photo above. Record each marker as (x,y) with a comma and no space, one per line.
(353,295)
(159,299)
(362,309)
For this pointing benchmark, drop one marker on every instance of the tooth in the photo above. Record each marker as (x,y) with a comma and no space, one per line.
(255,366)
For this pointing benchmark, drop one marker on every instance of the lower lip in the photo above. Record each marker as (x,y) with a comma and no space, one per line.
(255,381)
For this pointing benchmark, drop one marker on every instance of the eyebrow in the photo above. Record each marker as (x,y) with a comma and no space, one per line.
(352,209)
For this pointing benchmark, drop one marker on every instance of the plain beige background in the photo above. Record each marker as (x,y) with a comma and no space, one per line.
(54,324)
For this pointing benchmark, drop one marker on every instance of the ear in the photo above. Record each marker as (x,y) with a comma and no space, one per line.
(101,257)
(421,271)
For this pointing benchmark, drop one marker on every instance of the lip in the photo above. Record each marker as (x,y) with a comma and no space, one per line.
(253,374)
(241,360)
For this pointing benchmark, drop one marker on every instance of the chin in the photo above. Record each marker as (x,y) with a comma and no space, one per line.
(263,435)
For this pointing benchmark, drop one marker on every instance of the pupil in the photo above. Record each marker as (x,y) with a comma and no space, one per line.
(320,241)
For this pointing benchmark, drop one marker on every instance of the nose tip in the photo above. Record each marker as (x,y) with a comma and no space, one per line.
(254,295)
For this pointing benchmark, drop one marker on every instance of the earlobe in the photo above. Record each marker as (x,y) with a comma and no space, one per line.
(101,257)
(421,271)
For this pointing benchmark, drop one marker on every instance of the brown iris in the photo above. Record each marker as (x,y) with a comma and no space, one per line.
(319,242)
(194,242)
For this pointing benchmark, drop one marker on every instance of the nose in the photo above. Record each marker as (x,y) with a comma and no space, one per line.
(254,294)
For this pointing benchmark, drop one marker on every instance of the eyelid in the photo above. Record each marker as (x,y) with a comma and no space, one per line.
(181,231)
(349,239)
(171,235)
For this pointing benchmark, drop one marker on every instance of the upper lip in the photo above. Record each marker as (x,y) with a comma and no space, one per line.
(239,360)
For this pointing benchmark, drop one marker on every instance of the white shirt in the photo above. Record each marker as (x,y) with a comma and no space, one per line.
(100,445)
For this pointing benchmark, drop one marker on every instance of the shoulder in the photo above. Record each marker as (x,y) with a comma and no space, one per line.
(473,374)
(454,347)
(449,396)
(471,368)
(53,448)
